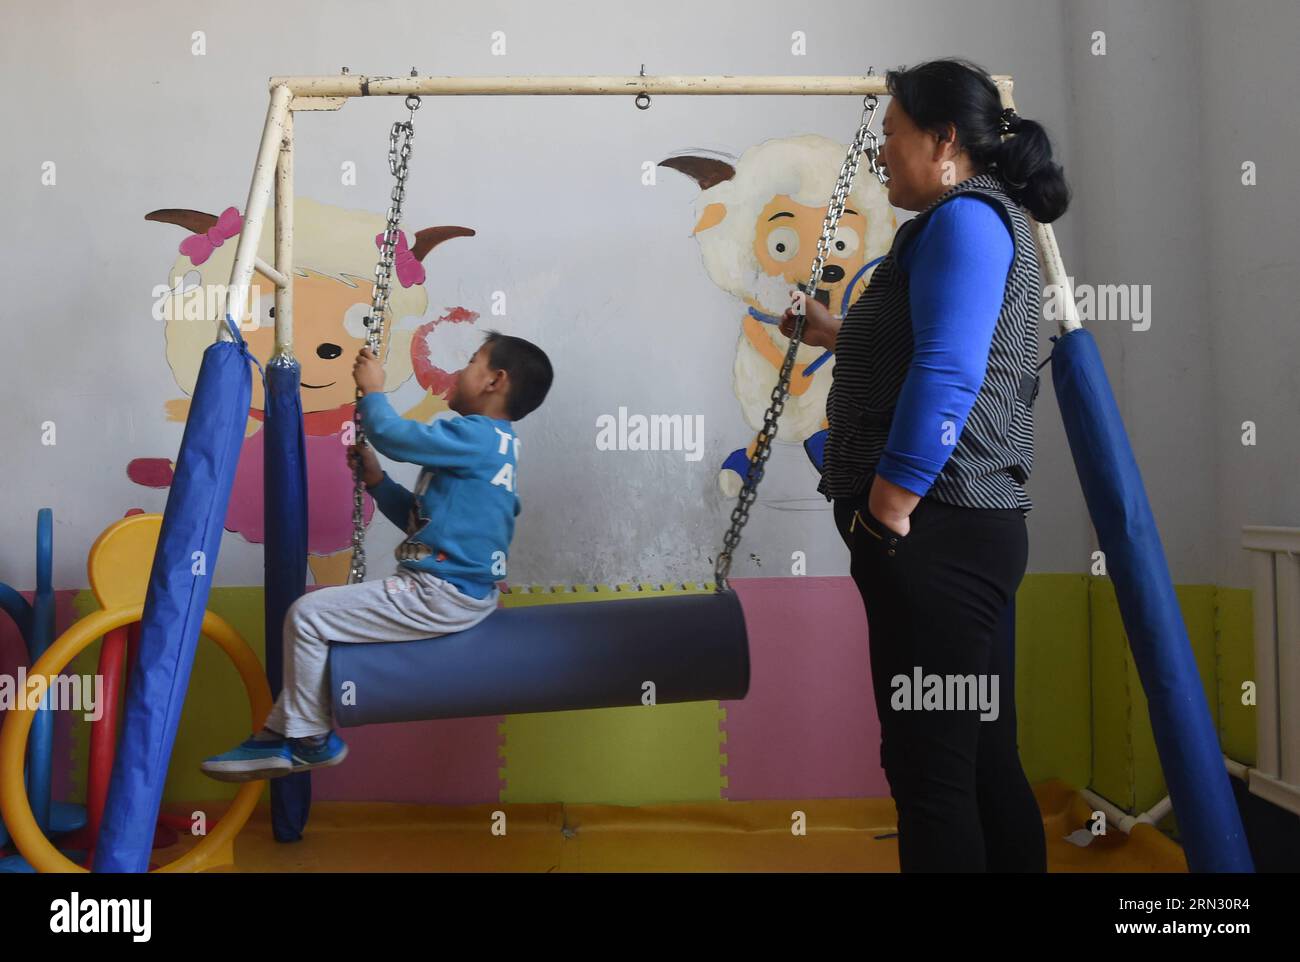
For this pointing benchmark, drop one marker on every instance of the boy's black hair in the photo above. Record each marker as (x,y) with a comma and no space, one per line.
(529,369)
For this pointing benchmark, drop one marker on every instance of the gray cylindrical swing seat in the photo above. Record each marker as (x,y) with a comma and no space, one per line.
(551,657)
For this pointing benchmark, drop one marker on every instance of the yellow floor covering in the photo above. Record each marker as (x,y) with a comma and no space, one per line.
(843,836)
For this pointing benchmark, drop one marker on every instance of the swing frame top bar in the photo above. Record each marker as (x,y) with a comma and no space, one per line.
(272,182)
(348,85)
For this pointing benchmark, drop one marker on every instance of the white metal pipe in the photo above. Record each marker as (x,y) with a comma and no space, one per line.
(350,85)
(1157,812)
(1049,255)
(284,242)
(357,85)
(270,273)
(1115,816)
(259,194)
(1118,818)
(1054,273)
(1237,769)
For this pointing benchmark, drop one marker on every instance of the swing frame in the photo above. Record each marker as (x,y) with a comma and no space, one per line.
(272,182)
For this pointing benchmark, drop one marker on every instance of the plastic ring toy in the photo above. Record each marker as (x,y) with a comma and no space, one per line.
(217,847)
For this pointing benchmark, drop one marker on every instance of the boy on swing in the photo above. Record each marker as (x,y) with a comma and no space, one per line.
(459,521)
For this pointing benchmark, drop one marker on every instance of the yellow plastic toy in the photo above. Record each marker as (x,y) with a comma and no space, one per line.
(119,564)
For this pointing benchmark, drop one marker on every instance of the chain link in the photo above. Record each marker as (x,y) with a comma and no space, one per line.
(865,141)
(399,154)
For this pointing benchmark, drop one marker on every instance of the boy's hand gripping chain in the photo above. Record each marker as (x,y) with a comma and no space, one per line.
(399,153)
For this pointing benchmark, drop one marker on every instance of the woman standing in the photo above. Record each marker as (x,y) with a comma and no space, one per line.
(930,446)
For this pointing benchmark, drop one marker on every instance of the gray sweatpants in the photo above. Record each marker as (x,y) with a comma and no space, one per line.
(406,606)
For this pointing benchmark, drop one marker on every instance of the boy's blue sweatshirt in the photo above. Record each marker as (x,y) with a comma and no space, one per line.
(461,517)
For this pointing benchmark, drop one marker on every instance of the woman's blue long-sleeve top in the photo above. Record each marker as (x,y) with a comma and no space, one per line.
(956,269)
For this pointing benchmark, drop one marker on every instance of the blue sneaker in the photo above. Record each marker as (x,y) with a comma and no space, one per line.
(250,761)
(331,752)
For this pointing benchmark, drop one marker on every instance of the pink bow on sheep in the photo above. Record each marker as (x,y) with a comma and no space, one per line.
(199,247)
(409,269)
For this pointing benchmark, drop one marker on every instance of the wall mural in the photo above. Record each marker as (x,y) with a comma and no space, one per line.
(334,253)
(759,220)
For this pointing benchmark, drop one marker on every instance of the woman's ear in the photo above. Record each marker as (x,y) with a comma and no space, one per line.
(945,142)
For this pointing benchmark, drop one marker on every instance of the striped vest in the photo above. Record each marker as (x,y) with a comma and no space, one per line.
(994,453)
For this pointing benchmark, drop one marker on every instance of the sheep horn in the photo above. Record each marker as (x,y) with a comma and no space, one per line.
(706,171)
(429,238)
(194,221)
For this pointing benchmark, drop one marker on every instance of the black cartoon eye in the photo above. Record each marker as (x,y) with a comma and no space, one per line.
(328,351)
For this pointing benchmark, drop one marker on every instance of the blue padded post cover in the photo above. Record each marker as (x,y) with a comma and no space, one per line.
(1188,744)
(552,657)
(284,506)
(177,598)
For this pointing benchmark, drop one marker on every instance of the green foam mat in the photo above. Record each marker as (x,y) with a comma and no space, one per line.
(1052,671)
(1235,649)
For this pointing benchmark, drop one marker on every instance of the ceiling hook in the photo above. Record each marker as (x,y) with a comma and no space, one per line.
(643,96)
(412,101)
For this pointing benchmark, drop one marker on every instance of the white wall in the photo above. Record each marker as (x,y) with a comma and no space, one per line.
(1184,95)
(594,261)
(1137,179)
(1249,105)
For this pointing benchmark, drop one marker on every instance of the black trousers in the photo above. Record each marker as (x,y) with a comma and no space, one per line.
(935,599)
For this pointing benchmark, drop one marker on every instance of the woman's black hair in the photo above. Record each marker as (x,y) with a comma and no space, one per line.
(958,92)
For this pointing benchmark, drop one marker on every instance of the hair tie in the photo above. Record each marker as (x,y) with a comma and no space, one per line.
(1009,120)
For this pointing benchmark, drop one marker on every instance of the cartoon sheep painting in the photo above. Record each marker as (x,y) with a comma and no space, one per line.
(334,252)
(758,223)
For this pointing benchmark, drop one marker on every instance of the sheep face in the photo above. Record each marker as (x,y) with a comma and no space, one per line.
(785,244)
(334,255)
(759,221)
(327,353)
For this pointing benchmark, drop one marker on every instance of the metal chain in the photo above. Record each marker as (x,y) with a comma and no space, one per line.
(399,155)
(864,141)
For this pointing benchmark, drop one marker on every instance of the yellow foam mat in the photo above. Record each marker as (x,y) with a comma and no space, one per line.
(843,835)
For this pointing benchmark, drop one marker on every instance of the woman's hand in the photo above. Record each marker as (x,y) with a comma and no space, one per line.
(821,328)
(892,505)
(364,455)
